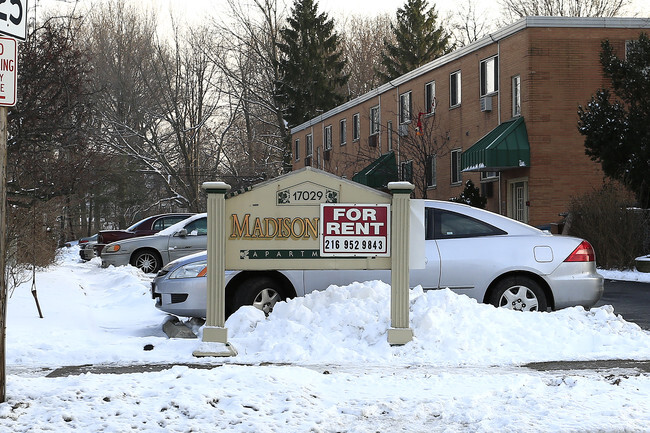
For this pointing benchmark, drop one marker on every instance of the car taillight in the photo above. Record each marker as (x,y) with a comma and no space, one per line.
(583,253)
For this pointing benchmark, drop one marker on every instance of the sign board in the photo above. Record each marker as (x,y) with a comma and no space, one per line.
(8,71)
(13,18)
(276,224)
(352,230)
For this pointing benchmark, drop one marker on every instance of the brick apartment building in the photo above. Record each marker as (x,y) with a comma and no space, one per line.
(501,111)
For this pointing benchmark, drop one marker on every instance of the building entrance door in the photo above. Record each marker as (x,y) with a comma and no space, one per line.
(518,201)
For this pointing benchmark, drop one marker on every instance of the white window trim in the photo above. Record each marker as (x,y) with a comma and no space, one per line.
(516,98)
(356,127)
(297,149)
(495,78)
(375,123)
(327,137)
(343,131)
(432,109)
(406,119)
(433,173)
(458,89)
(458,167)
(309,146)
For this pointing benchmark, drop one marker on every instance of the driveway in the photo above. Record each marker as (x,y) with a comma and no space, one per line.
(629,299)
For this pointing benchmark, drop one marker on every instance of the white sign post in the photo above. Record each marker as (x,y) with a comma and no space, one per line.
(8,71)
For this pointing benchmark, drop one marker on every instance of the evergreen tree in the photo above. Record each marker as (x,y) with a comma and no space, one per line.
(418,40)
(616,122)
(471,195)
(311,64)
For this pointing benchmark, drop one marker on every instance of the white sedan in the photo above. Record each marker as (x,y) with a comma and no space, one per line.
(486,256)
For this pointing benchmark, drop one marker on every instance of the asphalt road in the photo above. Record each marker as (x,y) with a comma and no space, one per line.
(629,299)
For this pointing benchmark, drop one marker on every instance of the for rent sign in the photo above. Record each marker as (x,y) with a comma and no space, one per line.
(352,230)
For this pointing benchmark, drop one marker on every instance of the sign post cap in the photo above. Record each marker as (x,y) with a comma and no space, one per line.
(216,187)
(396,187)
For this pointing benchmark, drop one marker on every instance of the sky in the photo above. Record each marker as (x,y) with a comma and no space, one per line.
(198,9)
(320,363)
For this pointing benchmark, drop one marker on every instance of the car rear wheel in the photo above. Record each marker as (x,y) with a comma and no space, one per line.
(261,292)
(519,293)
(147,261)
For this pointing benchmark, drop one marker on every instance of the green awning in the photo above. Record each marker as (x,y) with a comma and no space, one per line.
(505,147)
(379,173)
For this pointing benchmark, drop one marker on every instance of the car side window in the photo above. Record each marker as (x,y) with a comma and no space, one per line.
(197,227)
(452,225)
(165,222)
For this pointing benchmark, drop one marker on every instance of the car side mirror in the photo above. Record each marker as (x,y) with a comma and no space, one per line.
(181,233)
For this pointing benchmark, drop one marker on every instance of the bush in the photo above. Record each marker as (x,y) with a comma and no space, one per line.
(617,232)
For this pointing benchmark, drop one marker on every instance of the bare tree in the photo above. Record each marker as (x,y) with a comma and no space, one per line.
(363,43)
(515,9)
(257,138)
(158,101)
(425,143)
(468,23)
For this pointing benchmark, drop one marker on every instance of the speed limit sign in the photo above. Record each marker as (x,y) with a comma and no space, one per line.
(13,18)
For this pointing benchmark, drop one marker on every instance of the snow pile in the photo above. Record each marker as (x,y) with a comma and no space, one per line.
(332,369)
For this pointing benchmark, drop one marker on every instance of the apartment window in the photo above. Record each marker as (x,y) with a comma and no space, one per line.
(488,175)
(405,107)
(343,131)
(454,89)
(430,97)
(516,96)
(309,146)
(327,137)
(374,120)
(389,128)
(430,170)
(629,46)
(489,75)
(407,171)
(297,150)
(356,127)
(455,166)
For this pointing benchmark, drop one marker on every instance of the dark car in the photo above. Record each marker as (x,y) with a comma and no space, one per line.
(145,227)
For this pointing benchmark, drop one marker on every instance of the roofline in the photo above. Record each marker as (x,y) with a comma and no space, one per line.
(524,23)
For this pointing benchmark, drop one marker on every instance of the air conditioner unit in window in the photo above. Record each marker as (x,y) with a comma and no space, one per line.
(308,161)
(403,130)
(486,103)
(372,140)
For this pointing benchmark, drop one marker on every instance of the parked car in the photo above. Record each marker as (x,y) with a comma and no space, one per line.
(486,256)
(150,253)
(148,226)
(86,247)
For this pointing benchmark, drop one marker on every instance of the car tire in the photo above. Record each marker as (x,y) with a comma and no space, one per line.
(147,261)
(261,292)
(519,293)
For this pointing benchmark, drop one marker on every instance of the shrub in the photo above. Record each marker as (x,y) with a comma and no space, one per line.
(618,233)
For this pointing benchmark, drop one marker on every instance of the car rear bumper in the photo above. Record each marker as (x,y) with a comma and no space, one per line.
(576,284)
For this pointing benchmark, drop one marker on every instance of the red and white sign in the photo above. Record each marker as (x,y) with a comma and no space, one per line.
(8,71)
(353,230)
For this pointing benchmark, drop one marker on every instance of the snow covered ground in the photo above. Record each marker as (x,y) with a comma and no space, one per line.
(318,364)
